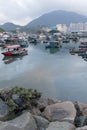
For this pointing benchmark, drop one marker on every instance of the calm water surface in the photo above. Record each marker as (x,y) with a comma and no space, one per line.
(57,74)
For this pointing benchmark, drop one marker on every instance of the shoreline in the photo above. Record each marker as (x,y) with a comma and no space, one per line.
(38,112)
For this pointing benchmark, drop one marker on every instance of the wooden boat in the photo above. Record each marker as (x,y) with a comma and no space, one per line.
(66,41)
(83,49)
(14,50)
(84,43)
(24,44)
(2,43)
(77,51)
(9,49)
(53,44)
(83,46)
(84,54)
(20,52)
(8,53)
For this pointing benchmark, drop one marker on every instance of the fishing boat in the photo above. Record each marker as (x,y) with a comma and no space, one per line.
(84,42)
(14,50)
(19,52)
(77,51)
(53,44)
(24,44)
(9,49)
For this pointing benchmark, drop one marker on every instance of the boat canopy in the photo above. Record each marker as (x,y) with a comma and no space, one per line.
(12,46)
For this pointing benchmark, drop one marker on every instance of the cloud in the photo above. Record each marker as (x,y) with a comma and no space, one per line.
(23,11)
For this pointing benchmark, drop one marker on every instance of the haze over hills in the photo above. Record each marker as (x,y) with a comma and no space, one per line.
(9,26)
(49,19)
(58,17)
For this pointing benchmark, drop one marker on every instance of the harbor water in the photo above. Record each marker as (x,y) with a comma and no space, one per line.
(54,72)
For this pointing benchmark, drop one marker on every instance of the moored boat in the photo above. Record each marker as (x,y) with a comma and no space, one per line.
(9,49)
(24,44)
(14,50)
(53,44)
(77,51)
(20,52)
(84,43)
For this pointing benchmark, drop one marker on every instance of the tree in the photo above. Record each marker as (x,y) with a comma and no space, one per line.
(1,30)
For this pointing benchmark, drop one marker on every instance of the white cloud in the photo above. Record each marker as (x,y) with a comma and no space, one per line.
(23,11)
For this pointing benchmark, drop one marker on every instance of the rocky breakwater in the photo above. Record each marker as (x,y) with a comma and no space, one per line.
(26,109)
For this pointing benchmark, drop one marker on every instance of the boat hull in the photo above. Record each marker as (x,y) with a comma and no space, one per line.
(7,53)
(22,53)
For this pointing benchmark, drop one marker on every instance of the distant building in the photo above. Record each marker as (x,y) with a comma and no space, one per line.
(77,27)
(62,27)
(59,27)
(46,29)
(18,30)
(53,28)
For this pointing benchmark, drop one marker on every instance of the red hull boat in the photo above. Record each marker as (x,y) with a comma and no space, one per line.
(10,49)
(14,50)
(9,53)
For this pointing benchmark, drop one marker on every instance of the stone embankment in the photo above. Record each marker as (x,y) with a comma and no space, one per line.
(40,113)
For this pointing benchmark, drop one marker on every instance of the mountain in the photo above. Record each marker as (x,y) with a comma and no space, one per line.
(58,17)
(48,19)
(2,30)
(9,26)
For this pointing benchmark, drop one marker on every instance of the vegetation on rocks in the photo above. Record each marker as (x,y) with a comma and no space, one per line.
(19,98)
(44,113)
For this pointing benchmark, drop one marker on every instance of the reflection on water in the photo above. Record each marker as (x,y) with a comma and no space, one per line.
(52,50)
(55,73)
(10,59)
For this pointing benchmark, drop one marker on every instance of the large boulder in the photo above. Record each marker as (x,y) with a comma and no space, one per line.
(3,126)
(64,111)
(60,126)
(83,108)
(41,122)
(23,122)
(3,110)
(44,102)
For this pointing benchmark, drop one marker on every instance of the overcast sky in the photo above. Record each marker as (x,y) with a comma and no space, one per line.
(23,11)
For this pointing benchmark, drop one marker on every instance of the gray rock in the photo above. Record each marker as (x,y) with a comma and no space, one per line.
(60,126)
(64,111)
(52,101)
(44,102)
(17,100)
(35,111)
(3,110)
(23,122)
(83,108)
(41,122)
(82,128)
(3,126)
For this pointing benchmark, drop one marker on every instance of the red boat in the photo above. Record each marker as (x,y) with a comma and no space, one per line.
(10,49)
(77,51)
(84,43)
(83,49)
(9,53)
